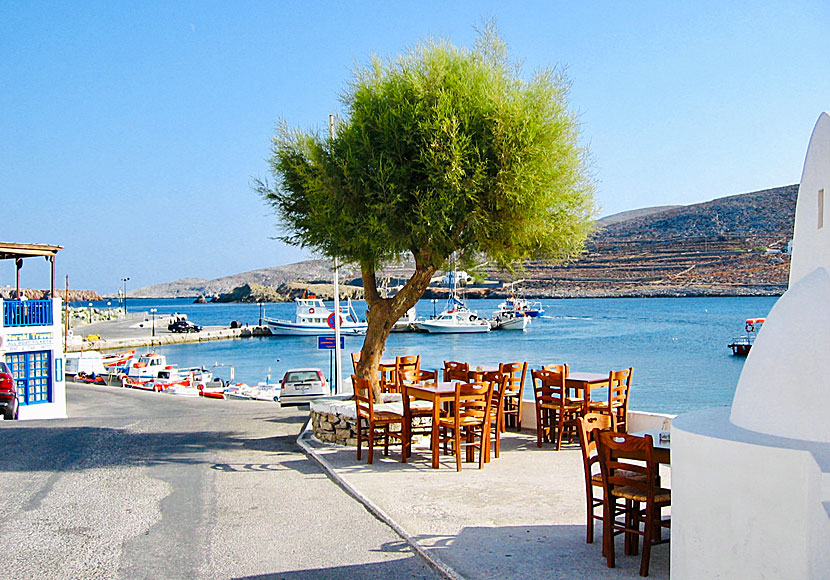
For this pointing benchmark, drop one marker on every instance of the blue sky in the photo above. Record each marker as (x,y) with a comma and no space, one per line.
(130,132)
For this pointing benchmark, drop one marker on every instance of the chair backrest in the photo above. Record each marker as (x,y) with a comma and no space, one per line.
(412,376)
(516,377)
(355,360)
(498,382)
(549,387)
(456,371)
(624,457)
(588,425)
(619,385)
(563,368)
(363,397)
(472,403)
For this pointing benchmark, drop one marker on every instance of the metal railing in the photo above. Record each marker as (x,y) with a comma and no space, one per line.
(27,313)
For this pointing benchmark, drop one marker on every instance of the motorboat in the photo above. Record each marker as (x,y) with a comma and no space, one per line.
(214,387)
(88,362)
(508,320)
(313,318)
(455,319)
(240,391)
(117,362)
(266,391)
(522,307)
(406,322)
(147,366)
(190,382)
(741,345)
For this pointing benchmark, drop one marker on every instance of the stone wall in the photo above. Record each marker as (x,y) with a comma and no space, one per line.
(334,428)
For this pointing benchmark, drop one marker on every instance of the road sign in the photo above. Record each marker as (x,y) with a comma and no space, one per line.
(328,342)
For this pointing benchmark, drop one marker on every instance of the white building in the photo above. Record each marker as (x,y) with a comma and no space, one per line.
(31,340)
(751,484)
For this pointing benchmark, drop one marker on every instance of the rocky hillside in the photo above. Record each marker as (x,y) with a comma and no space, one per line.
(722,247)
(74,295)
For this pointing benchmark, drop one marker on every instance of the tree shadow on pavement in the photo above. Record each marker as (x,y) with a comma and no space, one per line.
(407,568)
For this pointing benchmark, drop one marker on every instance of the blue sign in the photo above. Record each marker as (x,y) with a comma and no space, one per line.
(328,343)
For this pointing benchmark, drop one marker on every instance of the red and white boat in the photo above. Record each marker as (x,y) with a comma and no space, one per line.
(117,361)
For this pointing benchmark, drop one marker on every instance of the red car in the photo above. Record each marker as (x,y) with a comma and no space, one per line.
(8,393)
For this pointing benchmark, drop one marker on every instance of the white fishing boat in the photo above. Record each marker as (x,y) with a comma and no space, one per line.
(406,322)
(88,362)
(240,391)
(265,391)
(148,366)
(313,318)
(455,319)
(508,320)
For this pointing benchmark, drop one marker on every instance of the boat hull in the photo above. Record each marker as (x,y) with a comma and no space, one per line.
(288,328)
(437,327)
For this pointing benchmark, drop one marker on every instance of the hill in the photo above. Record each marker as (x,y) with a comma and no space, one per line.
(720,247)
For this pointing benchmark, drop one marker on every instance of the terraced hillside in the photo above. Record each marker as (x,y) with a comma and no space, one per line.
(721,247)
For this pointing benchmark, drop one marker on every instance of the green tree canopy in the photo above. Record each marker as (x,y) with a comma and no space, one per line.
(442,150)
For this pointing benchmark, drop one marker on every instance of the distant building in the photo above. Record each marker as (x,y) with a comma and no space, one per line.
(31,340)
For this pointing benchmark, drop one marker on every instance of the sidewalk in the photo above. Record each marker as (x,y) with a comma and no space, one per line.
(522,516)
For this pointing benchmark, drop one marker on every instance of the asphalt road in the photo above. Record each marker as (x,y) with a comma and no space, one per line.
(144,485)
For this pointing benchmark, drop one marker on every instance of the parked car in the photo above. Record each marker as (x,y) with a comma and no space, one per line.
(8,393)
(183,326)
(302,386)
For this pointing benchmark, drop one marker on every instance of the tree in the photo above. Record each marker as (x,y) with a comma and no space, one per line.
(442,150)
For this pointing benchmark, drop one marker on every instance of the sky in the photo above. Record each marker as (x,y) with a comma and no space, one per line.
(130,133)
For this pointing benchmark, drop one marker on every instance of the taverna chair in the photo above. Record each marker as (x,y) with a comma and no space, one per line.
(470,419)
(512,395)
(630,480)
(616,405)
(456,371)
(375,419)
(554,410)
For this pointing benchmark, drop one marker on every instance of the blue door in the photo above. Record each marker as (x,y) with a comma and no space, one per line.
(31,375)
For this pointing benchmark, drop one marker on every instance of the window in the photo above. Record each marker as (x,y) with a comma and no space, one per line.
(31,375)
(820,208)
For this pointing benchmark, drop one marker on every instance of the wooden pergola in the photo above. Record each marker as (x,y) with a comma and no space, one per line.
(16,252)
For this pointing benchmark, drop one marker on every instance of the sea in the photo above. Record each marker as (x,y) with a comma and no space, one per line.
(677,346)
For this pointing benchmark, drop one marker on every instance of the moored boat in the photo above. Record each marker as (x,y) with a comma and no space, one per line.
(743,344)
(117,362)
(313,318)
(508,320)
(522,307)
(455,319)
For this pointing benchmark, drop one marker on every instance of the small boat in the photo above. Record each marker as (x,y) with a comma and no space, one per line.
(743,344)
(92,379)
(239,391)
(117,362)
(214,387)
(508,320)
(455,319)
(89,362)
(147,366)
(266,391)
(313,318)
(406,322)
(522,307)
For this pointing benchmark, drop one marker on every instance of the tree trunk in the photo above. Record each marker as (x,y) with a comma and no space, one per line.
(383,313)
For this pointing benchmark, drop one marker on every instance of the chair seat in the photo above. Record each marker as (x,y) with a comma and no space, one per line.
(390,397)
(419,405)
(393,408)
(597,479)
(661,495)
(569,406)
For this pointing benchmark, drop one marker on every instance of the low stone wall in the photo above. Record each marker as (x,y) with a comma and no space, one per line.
(333,420)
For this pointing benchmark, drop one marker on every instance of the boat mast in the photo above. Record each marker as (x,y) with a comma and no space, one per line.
(337,351)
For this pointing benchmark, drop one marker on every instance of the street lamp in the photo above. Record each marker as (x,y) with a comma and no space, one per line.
(434,302)
(124,280)
(109,310)
(90,312)
(153,312)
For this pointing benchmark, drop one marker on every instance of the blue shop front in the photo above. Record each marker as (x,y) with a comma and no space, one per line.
(31,338)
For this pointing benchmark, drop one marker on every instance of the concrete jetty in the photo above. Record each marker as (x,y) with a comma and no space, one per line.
(136,332)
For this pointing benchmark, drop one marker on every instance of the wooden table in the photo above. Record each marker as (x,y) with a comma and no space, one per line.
(662,446)
(583,383)
(438,393)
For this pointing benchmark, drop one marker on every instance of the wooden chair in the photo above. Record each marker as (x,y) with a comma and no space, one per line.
(512,395)
(554,410)
(590,464)
(557,368)
(616,405)
(377,418)
(497,380)
(456,371)
(630,475)
(470,417)
(415,411)
(355,360)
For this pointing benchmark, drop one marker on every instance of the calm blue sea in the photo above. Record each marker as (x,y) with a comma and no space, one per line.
(677,346)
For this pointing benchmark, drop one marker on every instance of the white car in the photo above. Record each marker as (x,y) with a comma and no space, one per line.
(301,386)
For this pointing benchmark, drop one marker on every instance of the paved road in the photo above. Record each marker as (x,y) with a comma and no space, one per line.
(146,485)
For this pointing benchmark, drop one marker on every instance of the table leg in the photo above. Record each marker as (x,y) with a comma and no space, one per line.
(435,433)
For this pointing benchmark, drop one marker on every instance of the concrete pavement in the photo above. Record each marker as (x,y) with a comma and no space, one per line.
(143,485)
